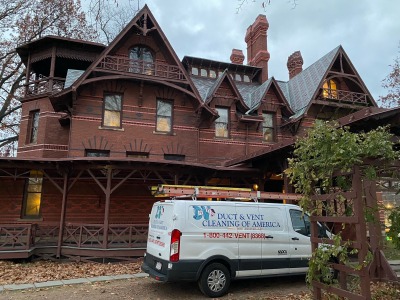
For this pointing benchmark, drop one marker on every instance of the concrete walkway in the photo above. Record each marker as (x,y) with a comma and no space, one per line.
(46,284)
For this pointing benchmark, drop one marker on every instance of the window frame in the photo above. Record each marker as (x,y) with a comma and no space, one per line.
(31,138)
(273,116)
(171,117)
(104,110)
(26,194)
(98,151)
(228,133)
(174,157)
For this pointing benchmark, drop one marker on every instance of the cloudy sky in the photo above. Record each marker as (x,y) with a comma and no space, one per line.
(369,31)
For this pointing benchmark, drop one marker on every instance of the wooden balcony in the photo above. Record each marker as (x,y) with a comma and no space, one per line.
(26,240)
(344,96)
(126,65)
(44,85)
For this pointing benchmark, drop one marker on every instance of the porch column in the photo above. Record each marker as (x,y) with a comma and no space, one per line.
(62,217)
(52,68)
(107,207)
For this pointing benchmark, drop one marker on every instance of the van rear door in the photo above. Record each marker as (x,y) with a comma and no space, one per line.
(160,227)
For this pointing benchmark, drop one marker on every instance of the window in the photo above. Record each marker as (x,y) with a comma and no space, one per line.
(32,195)
(268,127)
(177,157)
(213,74)
(221,124)
(330,89)
(112,110)
(300,222)
(33,126)
(97,153)
(246,78)
(203,72)
(164,116)
(238,77)
(195,71)
(142,60)
(137,154)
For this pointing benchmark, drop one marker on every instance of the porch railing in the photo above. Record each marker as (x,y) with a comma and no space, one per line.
(344,96)
(15,237)
(127,65)
(44,85)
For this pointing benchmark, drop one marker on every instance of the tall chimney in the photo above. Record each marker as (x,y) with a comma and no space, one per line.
(237,56)
(256,39)
(295,64)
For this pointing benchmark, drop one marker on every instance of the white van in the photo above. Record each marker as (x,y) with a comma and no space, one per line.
(212,242)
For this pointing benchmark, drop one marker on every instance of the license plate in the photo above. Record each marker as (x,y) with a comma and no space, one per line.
(158,265)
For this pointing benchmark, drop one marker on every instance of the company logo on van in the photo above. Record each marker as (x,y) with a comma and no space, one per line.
(160,211)
(203,212)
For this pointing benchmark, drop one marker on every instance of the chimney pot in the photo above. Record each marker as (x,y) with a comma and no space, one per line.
(295,64)
(237,56)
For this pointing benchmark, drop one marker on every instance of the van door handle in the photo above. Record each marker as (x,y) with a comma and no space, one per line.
(295,238)
(269,237)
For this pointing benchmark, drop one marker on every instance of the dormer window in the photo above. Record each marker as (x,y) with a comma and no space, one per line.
(329,89)
(268,127)
(142,60)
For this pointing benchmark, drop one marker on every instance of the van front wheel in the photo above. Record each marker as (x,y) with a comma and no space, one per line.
(214,280)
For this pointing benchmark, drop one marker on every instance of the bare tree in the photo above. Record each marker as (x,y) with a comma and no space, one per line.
(264,4)
(109,17)
(21,22)
(392,83)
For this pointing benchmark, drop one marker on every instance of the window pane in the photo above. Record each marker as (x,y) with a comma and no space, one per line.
(246,78)
(268,120)
(221,124)
(112,102)
(203,72)
(97,153)
(163,124)
(213,74)
(32,206)
(112,118)
(238,77)
(35,185)
(221,130)
(34,117)
(164,108)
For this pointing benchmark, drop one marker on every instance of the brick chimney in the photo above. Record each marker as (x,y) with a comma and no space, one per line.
(295,64)
(256,39)
(237,56)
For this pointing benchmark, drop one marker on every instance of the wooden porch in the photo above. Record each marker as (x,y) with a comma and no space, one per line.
(80,241)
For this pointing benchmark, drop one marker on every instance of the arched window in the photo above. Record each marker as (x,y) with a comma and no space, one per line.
(330,89)
(142,60)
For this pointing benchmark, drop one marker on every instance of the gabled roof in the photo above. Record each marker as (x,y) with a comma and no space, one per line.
(300,90)
(214,88)
(144,12)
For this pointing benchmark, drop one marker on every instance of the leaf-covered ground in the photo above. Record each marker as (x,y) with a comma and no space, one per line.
(18,272)
(14,272)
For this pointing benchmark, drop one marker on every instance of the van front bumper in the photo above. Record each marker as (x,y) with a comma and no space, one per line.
(180,271)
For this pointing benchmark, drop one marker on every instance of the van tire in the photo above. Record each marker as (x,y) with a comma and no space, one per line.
(214,280)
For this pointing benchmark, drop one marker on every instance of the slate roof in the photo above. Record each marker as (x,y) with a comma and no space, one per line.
(301,88)
(298,91)
(72,76)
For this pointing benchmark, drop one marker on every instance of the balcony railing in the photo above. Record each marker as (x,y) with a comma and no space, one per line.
(344,96)
(44,85)
(127,65)
(16,237)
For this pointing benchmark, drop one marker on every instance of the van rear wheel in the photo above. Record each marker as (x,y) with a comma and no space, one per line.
(214,280)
